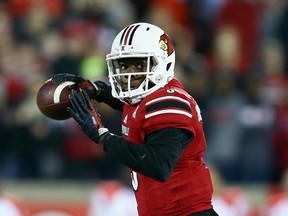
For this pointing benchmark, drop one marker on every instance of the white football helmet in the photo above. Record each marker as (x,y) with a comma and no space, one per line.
(141,40)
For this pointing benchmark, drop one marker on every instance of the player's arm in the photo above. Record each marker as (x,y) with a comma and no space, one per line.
(156,158)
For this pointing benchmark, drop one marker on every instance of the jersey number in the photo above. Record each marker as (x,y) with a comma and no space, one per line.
(134,178)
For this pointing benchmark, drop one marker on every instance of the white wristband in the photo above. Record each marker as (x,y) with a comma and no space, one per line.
(102,131)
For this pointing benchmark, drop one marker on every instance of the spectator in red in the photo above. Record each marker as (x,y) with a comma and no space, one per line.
(178,10)
(18,8)
(242,14)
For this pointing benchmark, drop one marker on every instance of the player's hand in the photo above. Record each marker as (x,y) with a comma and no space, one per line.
(86,116)
(79,83)
(63,77)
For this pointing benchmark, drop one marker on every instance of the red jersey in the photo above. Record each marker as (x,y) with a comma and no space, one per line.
(189,188)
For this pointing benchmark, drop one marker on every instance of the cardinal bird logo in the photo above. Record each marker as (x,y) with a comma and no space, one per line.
(166,44)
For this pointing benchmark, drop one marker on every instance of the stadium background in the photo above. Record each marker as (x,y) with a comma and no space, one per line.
(231,56)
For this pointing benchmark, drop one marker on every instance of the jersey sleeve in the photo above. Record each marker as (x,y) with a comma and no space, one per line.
(156,158)
(168,109)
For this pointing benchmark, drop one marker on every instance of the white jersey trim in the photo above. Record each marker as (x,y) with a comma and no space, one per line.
(168,97)
(168,111)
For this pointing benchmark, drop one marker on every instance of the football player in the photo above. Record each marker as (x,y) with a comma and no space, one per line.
(162,141)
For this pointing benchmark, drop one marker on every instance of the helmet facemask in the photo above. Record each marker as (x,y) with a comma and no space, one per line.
(134,84)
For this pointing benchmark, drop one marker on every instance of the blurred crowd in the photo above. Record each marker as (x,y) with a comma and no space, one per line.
(231,55)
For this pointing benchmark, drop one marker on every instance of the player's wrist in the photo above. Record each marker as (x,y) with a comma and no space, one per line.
(100,87)
(103,137)
(96,90)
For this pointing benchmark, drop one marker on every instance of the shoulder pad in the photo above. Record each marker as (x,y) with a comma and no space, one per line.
(167,100)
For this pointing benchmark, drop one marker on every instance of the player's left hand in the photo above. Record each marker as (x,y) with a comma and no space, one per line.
(85,115)
(91,88)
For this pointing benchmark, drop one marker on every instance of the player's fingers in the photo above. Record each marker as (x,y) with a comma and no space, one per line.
(74,106)
(74,115)
(85,98)
(78,104)
(74,102)
(75,78)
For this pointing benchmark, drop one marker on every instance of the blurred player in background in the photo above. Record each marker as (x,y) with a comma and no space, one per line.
(12,205)
(162,141)
(229,200)
(110,198)
(277,200)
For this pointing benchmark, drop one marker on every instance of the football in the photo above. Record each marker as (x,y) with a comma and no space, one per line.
(53,99)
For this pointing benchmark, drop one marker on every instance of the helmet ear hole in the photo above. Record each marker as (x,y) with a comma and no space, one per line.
(168,66)
(150,84)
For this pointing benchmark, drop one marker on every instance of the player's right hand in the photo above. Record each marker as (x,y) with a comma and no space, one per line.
(84,113)
(79,82)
